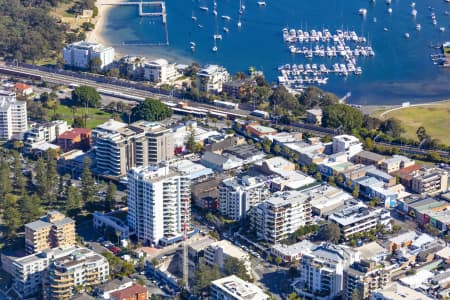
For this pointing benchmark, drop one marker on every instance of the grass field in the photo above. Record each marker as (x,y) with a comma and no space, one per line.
(95,116)
(434,117)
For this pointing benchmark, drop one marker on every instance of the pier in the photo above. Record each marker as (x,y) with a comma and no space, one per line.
(162,4)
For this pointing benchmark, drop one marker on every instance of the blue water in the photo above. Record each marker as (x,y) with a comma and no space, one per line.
(400,71)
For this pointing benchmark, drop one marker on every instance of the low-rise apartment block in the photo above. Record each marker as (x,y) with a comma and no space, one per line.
(211,79)
(358,218)
(79,267)
(281,215)
(76,138)
(395,163)
(365,276)
(348,144)
(81,54)
(54,274)
(322,271)
(51,231)
(238,195)
(430,181)
(234,288)
(160,71)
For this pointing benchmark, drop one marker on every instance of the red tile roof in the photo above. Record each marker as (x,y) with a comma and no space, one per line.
(129,292)
(22,86)
(71,134)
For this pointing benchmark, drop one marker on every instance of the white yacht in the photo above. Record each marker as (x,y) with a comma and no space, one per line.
(214,49)
(442,29)
(390,10)
(227,18)
(217,37)
(362,11)
(261,3)
(407,35)
(414,12)
(418,27)
(225,29)
(204,8)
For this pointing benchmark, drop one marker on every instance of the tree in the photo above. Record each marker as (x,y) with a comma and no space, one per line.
(422,134)
(342,116)
(203,277)
(277,149)
(73,200)
(11,217)
(356,295)
(114,72)
(191,144)
(86,95)
(330,232)
(392,127)
(95,65)
(278,261)
(87,181)
(110,198)
(78,122)
(283,99)
(233,266)
(30,208)
(355,192)
(318,176)
(151,110)
(293,296)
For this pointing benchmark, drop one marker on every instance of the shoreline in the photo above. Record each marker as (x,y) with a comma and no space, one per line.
(95,35)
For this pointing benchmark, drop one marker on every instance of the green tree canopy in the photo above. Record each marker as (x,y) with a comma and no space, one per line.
(343,116)
(331,232)
(83,95)
(233,266)
(151,110)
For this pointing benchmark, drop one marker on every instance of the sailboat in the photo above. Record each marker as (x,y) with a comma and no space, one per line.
(241,7)
(214,48)
(239,23)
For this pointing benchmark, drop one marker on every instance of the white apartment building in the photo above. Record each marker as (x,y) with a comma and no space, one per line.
(282,214)
(158,204)
(13,115)
(120,148)
(234,288)
(357,218)
(348,144)
(211,78)
(322,271)
(217,253)
(160,71)
(238,195)
(395,163)
(73,266)
(47,132)
(80,54)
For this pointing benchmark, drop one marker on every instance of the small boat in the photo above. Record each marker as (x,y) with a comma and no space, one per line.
(228,18)
(193,48)
(204,8)
(442,29)
(200,26)
(390,10)
(374,19)
(225,29)
(413,4)
(414,13)
(239,24)
(217,37)
(193,44)
(407,35)
(214,49)
(215,12)
(434,22)
(362,11)
(194,18)
(418,27)
(261,3)
(386,29)
(388,2)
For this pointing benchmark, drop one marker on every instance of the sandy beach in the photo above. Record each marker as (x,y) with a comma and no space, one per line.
(95,35)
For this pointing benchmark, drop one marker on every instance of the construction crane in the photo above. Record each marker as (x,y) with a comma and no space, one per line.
(185,245)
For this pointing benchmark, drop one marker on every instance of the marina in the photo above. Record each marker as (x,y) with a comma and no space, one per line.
(253,37)
(340,45)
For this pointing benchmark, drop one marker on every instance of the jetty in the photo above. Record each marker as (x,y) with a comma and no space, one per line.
(161,13)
